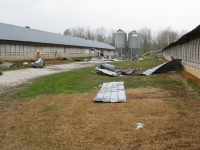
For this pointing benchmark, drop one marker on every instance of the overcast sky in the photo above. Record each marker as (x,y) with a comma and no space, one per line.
(58,15)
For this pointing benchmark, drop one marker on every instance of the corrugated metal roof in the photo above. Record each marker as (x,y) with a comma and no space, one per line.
(111,92)
(23,34)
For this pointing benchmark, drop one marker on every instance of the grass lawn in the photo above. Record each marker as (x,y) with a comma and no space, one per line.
(58,112)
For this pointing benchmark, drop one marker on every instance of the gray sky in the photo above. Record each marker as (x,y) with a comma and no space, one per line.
(58,15)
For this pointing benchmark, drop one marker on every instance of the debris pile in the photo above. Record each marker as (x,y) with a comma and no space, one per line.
(113,70)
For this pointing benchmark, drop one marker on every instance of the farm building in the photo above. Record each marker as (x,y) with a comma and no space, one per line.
(25,43)
(186,48)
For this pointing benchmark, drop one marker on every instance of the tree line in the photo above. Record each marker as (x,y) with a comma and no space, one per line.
(149,40)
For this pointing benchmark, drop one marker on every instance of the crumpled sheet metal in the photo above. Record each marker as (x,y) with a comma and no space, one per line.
(108,72)
(113,70)
(108,69)
(38,64)
(111,92)
(173,65)
(129,71)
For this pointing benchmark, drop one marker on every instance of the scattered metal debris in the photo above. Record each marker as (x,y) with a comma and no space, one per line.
(6,64)
(98,58)
(113,70)
(173,65)
(111,92)
(108,69)
(130,71)
(38,64)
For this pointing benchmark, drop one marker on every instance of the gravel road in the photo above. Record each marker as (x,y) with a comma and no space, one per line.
(15,78)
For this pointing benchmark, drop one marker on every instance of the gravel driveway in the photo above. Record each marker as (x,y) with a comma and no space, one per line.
(15,78)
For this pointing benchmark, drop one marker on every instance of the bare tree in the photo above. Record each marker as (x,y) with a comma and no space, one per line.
(101,34)
(110,38)
(166,36)
(67,32)
(90,34)
(149,40)
(145,40)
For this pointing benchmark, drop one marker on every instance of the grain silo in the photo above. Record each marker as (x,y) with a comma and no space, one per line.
(121,43)
(133,44)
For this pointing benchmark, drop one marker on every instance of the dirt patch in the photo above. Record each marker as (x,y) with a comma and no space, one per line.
(74,121)
(186,75)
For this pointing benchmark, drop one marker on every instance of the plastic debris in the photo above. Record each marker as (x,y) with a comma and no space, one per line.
(139,126)
(25,63)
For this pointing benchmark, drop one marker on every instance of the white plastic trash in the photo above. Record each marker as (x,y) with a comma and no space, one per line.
(25,63)
(139,126)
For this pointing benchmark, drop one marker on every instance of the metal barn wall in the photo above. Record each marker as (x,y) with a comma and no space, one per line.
(189,53)
(22,52)
(8,51)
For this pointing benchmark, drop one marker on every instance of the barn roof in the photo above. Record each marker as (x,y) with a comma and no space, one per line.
(23,34)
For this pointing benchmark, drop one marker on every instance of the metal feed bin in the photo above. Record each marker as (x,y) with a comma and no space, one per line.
(121,43)
(133,44)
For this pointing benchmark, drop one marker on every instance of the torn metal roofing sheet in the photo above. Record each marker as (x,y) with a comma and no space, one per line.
(108,72)
(111,92)
(38,64)
(23,34)
(108,69)
(112,70)
(173,65)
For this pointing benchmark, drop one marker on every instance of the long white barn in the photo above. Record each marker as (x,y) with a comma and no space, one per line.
(26,43)
(186,48)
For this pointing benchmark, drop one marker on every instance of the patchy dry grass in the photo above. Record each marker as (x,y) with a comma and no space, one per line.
(57,120)
(74,121)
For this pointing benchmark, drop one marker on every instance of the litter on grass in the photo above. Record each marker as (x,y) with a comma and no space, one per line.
(139,126)
(111,92)
(25,63)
